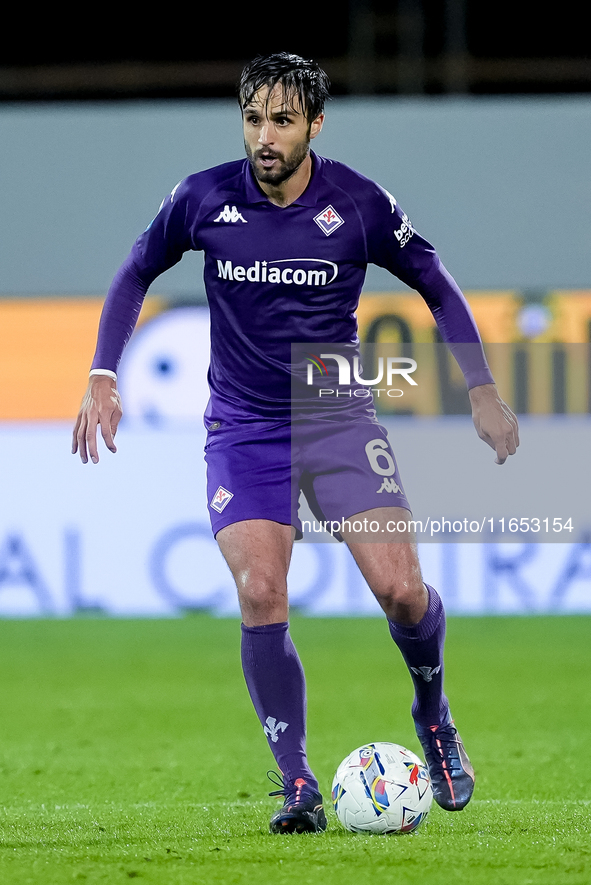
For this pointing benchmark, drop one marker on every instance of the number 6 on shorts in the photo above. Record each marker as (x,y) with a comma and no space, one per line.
(377,453)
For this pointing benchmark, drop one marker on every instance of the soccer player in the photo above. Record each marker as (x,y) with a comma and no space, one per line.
(287,237)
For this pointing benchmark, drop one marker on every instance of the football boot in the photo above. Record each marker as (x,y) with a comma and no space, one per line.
(302,811)
(452,775)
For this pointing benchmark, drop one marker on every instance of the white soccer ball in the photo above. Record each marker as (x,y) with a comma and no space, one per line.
(382,788)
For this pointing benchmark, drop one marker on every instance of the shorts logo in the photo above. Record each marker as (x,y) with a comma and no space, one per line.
(328,220)
(389,484)
(221,499)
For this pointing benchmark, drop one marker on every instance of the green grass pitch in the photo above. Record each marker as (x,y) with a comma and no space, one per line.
(129,750)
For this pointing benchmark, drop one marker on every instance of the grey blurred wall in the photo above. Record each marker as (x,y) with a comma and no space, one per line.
(502,187)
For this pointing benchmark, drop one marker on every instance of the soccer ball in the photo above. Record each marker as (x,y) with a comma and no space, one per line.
(382,788)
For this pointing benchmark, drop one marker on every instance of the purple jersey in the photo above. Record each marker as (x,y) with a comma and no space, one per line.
(275,276)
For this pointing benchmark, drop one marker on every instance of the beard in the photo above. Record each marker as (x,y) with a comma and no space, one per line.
(283,169)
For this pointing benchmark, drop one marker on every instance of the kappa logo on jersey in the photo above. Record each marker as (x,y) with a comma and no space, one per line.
(230,216)
(392,200)
(163,203)
(174,190)
(328,220)
(221,499)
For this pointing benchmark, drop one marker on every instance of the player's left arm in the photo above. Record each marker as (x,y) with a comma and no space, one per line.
(494,421)
(396,245)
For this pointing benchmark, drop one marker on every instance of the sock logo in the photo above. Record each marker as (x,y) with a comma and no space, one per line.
(272,728)
(426,672)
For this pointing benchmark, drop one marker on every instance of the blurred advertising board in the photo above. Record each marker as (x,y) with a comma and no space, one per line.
(131,535)
(46,346)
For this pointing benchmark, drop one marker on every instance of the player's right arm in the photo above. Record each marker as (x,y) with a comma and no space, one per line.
(101,404)
(160,247)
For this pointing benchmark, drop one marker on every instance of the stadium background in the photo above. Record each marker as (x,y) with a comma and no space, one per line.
(128,745)
(482,134)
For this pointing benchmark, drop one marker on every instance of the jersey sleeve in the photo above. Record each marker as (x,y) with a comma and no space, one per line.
(171,233)
(161,246)
(393,243)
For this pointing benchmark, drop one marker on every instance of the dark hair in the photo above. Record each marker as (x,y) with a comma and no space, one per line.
(301,78)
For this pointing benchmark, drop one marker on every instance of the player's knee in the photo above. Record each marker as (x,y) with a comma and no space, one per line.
(399,593)
(261,593)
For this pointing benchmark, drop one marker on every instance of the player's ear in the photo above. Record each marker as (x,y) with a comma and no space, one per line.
(316,125)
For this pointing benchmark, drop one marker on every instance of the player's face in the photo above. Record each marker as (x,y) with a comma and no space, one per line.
(277,135)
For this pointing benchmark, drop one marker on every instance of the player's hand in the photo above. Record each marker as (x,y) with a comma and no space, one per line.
(494,421)
(101,406)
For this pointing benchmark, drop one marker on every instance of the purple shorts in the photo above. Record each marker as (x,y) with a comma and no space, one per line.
(257,471)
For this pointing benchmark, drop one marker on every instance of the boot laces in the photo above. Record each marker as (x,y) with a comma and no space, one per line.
(280,782)
(444,745)
(286,788)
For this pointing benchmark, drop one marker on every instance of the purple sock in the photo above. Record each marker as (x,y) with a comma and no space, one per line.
(275,679)
(422,649)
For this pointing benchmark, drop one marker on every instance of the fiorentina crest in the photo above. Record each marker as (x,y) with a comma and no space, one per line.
(221,498)
(328,220)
